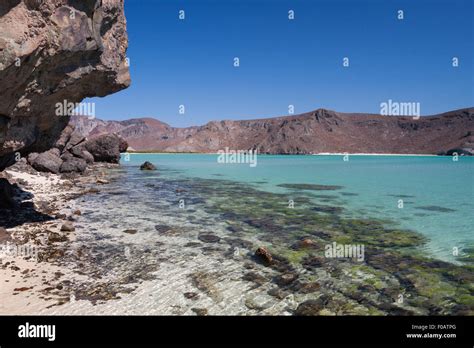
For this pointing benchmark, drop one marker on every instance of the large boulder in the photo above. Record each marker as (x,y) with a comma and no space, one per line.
(49,161)
(55,53)
(105,148)
(73,165)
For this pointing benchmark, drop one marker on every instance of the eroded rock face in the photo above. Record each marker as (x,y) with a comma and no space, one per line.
(53,52)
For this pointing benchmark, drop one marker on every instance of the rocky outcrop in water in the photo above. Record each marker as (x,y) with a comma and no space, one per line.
(51,52)
(147,166)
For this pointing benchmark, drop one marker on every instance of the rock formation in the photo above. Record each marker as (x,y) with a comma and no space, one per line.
(314,132)
(147,166)
(55,51)
(73,152)
(106,148)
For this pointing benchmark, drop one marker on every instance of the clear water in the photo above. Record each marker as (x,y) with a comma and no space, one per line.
(437,192)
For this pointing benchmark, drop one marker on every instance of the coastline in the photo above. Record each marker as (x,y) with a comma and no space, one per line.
(285,154)
(205,265)
(38,235)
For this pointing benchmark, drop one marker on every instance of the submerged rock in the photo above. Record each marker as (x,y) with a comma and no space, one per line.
(311,187)
(200,311)
(255,278)
(286,279)
(162,228)
(305,243)
(147,166)
(312,307)
(435,208)
(209,238)
(263,255)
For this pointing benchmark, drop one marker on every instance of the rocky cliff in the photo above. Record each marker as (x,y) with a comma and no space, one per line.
(55,51)
(314,132)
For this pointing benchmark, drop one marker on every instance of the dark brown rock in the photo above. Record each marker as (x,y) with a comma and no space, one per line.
(147,166)
(286,279)
(105,148)
(312,307)
(191,295)
(200,311)
(54,237)
(263,255)
(305,243)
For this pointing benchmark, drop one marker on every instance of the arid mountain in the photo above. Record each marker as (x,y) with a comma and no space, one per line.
(321,131)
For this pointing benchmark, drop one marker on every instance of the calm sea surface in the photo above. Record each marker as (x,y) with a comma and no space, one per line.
(433,196)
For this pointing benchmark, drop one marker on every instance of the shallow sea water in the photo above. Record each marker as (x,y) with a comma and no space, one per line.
(195,225)
(437,192)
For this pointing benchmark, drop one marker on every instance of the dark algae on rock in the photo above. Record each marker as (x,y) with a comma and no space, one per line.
(395,278)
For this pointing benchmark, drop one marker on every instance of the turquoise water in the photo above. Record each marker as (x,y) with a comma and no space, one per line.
(437,192)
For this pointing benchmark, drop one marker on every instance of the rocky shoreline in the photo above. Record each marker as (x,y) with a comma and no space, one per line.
(38,229)
(111,243)
(83,236)
(60,272)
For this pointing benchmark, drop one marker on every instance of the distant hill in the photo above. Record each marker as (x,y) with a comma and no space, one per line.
(320,131)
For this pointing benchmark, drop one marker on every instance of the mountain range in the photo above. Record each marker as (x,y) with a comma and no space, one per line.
(320,131)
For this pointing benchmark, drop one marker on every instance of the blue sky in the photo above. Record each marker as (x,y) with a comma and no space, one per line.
(297,62)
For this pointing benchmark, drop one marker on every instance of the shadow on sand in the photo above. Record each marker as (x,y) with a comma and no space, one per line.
(16,207)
